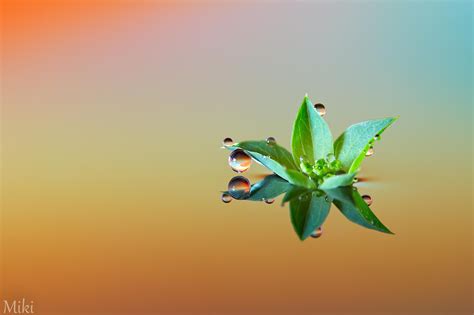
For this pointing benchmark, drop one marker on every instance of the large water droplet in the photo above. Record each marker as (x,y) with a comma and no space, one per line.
(320,109)
(239,161)
(369,152)
(226,198)
(271,140)
(355,180)
(227,142)
(317,233)
(239,187)
(269,201)
(367,199)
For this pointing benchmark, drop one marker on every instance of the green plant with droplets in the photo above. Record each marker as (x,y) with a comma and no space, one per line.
(317,162)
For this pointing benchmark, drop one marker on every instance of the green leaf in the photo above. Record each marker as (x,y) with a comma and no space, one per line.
(351,146)
(300,179)
(308,211)
(292,193)
(274,157)
(269,188)
(311,137)
(354,208)
(338,181)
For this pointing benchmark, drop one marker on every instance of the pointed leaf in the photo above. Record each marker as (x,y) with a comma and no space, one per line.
(300,179)
(338,181)
(311,137)
(354,208)
(308,211)
(292,193)
(270,187)
(351,146)
(274,157)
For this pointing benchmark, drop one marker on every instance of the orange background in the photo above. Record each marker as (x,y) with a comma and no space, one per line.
(112,117)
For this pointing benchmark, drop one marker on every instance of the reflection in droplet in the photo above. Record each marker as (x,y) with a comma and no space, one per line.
(330,157)
(317,233)
(228,141)
(271,140)
(367,199)
(238,187)
(355,180)
(269,201)
(320,109)
(377,137)
(226,198)
(239,161)
(370,151)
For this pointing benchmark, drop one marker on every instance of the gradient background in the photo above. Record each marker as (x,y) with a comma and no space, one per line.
(112,118)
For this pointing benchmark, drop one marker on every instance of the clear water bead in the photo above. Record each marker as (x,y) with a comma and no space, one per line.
(271,140)
(367,199)
(227,142)
(317,233)
(238,187)
(320,109)
(369,152)
(226,198)
(239,161)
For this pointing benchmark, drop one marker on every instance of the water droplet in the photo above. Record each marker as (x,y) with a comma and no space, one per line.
(377,137)
(320,109)
(326,198)
(239,187)
(317,233)
(367,199)
(271,140)
(226,198)
(330,157)
(355,180)
(239,161)
(227,142)
(269,201)
(369,152)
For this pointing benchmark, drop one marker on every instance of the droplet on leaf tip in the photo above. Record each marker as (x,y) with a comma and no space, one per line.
(239,161)
(238,187)
(226,198)
(317,233)
(228,142)
(320,109)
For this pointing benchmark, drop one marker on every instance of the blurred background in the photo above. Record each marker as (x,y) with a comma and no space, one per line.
(113,113)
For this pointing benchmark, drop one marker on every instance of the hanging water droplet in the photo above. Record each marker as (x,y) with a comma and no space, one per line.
(317,233)
(271,140)
(355,180)
(320,109)
(269,201)
(330,157)
(226,198)
(239,161)
(227,142)
(239,187)
(369,152)
(367,199)
(377,137)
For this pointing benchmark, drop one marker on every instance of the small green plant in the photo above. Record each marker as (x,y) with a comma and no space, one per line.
(316,161)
